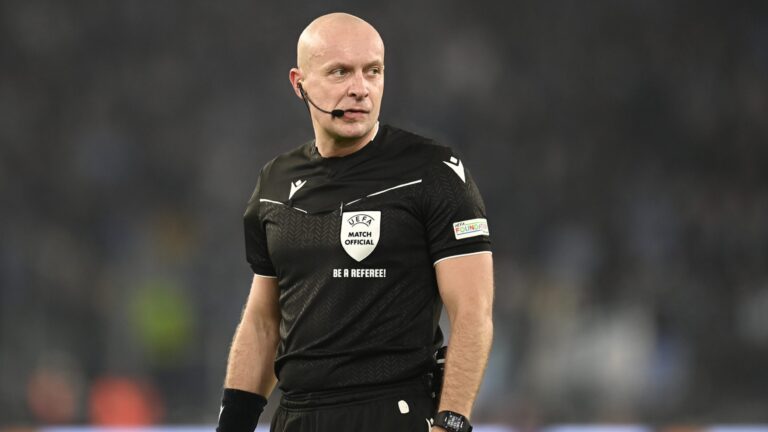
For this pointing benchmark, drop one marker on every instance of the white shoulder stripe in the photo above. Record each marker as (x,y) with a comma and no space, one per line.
(385,190)
(270,201)
(461,255)
(352,202)
(265,277)
(278,202)
(395,187)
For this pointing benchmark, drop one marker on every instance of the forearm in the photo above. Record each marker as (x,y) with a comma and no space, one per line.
(467,357)
(251,358)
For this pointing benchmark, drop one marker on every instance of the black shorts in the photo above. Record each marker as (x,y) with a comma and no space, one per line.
(400,408)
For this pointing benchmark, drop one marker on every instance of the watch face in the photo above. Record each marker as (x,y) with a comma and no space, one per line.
(454,422)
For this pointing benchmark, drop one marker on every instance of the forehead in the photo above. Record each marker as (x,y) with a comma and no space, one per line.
(353,46)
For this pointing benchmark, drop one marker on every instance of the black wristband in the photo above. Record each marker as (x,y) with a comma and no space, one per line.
(240,411)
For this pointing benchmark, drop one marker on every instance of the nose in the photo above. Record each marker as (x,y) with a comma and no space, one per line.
(358,87)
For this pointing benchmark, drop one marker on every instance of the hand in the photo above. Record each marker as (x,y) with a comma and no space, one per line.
(437,429)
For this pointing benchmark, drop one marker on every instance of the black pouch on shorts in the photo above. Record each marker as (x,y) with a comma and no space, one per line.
(437,374)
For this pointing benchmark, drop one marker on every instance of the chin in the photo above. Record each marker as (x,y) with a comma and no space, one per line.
(354,130)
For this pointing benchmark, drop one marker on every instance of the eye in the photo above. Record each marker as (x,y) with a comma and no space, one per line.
(339,72)
(376,70)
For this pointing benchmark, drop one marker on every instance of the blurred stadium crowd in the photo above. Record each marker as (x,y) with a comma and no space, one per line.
(622,148)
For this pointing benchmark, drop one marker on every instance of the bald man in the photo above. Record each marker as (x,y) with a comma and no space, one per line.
(357,239)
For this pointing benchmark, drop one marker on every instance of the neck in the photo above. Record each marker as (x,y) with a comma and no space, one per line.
(329,146)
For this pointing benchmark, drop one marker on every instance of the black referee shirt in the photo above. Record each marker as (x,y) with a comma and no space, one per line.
(352,242)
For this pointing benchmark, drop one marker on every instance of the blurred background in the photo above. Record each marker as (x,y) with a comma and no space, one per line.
(621,147)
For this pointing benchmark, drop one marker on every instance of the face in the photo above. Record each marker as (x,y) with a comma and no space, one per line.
(344,70)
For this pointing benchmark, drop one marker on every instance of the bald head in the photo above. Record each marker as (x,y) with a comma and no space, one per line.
(333,29)
(340,69)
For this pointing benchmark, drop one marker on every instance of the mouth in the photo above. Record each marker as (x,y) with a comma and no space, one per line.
(355,113)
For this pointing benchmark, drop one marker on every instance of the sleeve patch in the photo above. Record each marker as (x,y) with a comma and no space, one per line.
(470,228)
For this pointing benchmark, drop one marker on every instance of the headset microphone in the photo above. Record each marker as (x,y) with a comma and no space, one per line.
(334,113)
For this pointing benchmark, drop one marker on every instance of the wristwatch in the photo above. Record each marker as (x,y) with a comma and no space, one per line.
(452,422)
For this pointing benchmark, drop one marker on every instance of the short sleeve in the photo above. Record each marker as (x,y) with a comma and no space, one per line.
(256,250)
(454,211)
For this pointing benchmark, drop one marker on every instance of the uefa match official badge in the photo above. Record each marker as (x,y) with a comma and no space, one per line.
(360,233)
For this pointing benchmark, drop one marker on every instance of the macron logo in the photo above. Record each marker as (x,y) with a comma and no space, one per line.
(457,167)
(295,186)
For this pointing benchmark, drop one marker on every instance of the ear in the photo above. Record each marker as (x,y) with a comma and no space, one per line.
(295,76)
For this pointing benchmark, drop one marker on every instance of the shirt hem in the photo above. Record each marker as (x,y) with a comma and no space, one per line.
(461,255)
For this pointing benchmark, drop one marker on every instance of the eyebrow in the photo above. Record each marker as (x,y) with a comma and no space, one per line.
(335,65)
